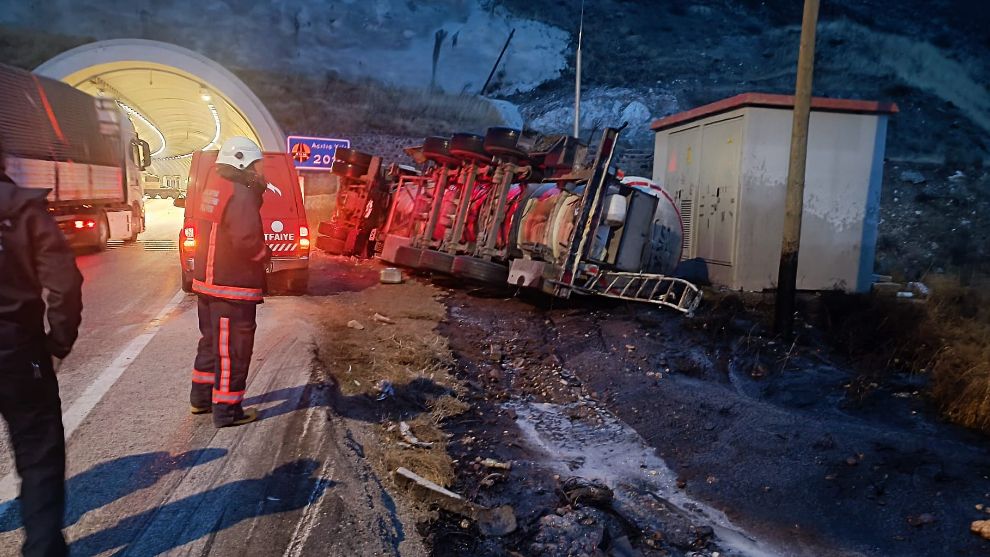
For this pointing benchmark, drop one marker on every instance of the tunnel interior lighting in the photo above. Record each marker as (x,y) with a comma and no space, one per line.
(132,112)
(204,94)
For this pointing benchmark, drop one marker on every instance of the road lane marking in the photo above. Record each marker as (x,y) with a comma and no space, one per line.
(84,404)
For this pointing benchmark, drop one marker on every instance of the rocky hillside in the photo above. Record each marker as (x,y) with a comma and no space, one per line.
(416,68)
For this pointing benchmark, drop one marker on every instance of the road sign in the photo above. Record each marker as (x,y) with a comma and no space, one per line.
(314,153)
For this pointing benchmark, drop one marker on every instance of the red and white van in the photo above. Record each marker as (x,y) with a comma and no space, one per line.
(283,216)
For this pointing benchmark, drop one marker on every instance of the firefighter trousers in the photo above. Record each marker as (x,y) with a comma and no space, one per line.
(31,406)
(221,368)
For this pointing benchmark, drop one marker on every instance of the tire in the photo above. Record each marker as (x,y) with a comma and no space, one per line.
(330,245)
(437,261)
(480,270)
(352,156)
(437,149)
(408,256)
(348,170)
(468,147)
(501,139)
(102,232)
(186,281)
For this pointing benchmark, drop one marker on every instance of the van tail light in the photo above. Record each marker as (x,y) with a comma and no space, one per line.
(80,224)
(304,238)
(189,235)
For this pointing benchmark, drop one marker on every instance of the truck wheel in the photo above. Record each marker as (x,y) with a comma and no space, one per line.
(352,156)
(480,270)
(436,261)
(102,232)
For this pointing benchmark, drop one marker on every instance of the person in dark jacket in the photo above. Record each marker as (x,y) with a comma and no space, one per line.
(35,257)
(229,275)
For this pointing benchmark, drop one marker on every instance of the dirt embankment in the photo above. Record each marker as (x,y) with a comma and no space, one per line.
(686,436)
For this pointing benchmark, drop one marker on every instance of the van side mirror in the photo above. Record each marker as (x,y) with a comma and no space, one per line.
(180,202)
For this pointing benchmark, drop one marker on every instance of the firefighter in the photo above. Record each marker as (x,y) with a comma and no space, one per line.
(229,275)
(35,257)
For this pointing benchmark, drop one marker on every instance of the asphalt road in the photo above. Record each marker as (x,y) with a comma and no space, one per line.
(147,478)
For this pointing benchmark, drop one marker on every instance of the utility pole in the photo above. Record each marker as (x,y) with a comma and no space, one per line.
(794,204)
(577,78)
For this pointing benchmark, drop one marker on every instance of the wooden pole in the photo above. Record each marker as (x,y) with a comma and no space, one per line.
(577,77)
(787,274)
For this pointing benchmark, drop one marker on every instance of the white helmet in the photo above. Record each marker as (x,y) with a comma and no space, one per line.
(239,152)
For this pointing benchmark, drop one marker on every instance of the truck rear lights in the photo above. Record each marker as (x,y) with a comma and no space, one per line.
(304,243)
(80,224)
(303,232)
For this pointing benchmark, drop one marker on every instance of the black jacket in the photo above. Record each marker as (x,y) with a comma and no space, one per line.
(33,256)
(231,257)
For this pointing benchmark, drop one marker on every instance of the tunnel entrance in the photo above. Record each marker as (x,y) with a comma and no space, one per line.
(179,100)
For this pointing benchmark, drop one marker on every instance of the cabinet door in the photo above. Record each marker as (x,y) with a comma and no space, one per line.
(718,191)
(683,151)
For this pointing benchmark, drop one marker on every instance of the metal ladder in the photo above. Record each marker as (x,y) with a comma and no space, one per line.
(660,290)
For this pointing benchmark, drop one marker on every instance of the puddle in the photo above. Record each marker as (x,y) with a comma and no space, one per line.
(597,445)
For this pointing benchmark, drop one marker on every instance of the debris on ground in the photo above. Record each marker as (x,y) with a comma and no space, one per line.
(407,435)
(355,324)
(580,491)
(492,463)
(390,275)
(382,319)
(498,521)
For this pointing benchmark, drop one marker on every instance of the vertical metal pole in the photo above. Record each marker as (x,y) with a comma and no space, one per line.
(462,210)
(577,77)
(787,274)
(439,190)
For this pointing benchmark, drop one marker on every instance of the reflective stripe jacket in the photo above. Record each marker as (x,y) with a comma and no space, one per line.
(230,250)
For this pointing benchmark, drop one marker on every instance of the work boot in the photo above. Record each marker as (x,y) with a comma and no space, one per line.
(242,417)
(200,409)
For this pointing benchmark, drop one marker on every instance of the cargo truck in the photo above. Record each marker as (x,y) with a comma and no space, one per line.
(82,148)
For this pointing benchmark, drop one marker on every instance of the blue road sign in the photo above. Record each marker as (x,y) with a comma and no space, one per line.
(314,153)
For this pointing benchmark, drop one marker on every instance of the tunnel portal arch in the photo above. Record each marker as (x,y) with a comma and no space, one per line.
(179,99)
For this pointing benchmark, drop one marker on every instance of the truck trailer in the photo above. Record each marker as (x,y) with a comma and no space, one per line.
(83,149)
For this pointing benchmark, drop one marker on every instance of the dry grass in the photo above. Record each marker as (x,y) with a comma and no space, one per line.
(961,366)
(948,338)
(409,355)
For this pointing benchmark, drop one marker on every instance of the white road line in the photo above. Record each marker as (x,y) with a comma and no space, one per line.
(84,404)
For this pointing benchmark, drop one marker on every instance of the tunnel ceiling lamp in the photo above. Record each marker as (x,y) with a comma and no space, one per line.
(204,94)
(216,127)
(161,137)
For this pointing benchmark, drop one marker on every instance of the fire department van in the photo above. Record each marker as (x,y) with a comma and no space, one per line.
(283,216)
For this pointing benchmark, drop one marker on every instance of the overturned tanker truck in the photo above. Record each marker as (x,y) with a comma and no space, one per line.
(536,212)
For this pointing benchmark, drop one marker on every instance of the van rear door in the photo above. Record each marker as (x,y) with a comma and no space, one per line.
(282,213)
